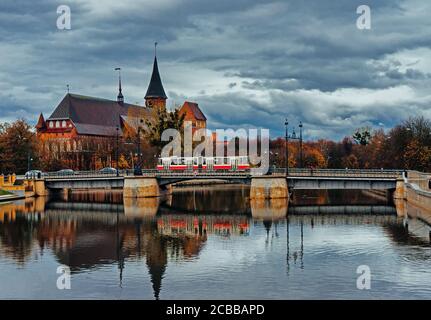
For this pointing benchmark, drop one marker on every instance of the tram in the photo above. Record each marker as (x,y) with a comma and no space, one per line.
(240,163)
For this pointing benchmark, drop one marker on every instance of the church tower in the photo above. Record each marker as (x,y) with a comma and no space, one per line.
(156,96)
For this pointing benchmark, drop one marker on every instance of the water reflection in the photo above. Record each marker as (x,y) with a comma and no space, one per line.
(88,231)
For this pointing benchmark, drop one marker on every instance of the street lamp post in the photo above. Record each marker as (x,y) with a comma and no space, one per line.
(286,149)
(300,144)
(138,167)
(116,149)
(29,160)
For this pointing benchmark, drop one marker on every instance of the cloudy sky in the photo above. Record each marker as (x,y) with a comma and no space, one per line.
(248,63)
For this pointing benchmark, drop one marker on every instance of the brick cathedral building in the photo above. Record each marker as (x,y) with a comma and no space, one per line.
(83,130)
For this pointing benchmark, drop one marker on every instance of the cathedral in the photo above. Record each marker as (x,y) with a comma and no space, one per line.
(82,125)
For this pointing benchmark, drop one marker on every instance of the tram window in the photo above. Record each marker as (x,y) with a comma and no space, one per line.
(204,161)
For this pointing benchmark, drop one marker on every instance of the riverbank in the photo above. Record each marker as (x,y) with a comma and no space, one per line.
(9,196)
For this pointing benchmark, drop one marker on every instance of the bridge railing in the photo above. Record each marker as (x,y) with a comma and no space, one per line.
(88,174)
(293,172)
(223,173)
(364,173)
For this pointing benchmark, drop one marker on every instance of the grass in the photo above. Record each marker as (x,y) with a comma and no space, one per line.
(4,192)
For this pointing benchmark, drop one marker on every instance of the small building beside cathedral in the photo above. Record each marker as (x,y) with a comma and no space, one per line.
(83,131)
(194,114)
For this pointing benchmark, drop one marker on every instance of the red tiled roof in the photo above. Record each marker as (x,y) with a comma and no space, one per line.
(194,108)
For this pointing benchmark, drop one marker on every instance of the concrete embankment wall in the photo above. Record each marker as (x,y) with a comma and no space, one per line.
(416,192)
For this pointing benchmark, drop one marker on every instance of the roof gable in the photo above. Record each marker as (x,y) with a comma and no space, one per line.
(194,109)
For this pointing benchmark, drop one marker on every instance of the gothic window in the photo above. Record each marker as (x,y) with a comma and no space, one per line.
(51,124)
(57,124)
(63,124)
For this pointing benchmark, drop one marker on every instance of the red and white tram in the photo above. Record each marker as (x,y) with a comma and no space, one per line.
(203,163)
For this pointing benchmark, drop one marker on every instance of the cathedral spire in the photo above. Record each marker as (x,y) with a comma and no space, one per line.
(41,124)
(155,93)
(120,97)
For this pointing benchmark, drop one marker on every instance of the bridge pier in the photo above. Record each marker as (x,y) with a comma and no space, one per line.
(141,207)
(141,187)
(400,190)
(38,186)
(269,209)
(267,187)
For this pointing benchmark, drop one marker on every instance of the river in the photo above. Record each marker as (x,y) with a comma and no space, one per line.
(213,243)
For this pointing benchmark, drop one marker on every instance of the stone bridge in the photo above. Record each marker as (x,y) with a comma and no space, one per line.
(273,185)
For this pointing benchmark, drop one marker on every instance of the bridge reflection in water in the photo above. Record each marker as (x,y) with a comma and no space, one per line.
(85,230)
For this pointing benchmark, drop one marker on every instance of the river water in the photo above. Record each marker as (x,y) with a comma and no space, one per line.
(214,243)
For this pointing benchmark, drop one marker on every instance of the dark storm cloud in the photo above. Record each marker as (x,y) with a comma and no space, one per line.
(247,62)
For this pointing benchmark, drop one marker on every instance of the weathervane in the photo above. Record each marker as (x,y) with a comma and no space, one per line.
(119,74)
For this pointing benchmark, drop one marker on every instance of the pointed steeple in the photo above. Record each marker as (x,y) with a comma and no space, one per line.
(120,97)
(41,124)
(155,92)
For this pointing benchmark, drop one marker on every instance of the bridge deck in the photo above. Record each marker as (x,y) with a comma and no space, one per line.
(297,179)
(293,173)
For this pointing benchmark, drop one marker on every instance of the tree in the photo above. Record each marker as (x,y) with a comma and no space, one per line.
(313,157)
(362,136)
(18,147)
(161,121)
(417,156)
(351,162)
